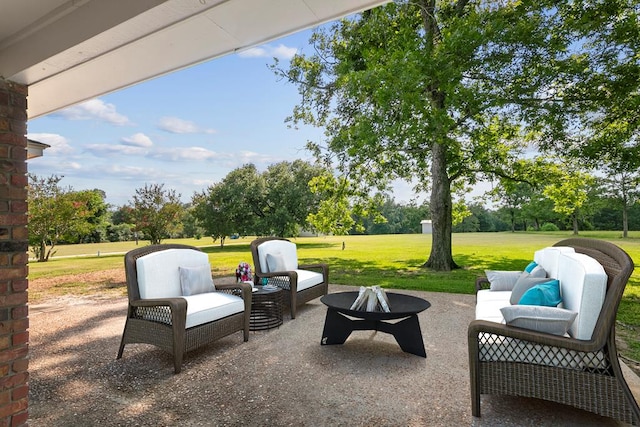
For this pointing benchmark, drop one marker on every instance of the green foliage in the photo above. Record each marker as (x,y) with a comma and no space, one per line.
(569,191)
(275,202)
(288,199)
(57,213)
(155,210)
(434,91)
(549,226)
(120,232)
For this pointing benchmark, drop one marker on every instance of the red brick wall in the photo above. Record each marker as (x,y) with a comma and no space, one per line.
(14,320)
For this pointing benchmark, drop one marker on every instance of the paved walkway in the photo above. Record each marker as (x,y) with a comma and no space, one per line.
(281,377)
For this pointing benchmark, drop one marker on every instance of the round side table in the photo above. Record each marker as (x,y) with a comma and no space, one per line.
(266,309)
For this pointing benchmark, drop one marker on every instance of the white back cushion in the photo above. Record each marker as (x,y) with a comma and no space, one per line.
(549,258)
(275,247)
(583,285)
(158,275)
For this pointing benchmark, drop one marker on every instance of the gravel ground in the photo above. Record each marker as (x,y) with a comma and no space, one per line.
(281,377)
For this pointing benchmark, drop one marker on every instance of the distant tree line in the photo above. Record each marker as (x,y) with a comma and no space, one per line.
(290,197)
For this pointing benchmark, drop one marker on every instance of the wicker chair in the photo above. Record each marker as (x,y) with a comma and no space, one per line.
(591,378)
(297,292)
(161,321)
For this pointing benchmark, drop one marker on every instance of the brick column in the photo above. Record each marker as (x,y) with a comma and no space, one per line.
(14,246)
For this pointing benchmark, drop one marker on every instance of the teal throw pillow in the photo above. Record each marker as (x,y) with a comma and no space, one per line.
(545,294)
(529,268)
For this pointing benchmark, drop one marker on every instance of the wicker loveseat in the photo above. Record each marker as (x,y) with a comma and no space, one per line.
(276,260)
(164,313)
(583,371)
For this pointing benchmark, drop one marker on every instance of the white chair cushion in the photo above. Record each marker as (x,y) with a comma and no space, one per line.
(549,257)
(204,308)
(307,279)
(489,304)
(278,247)
(158,272)
(583,285)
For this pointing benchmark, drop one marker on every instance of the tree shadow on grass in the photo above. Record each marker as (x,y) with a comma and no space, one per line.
(244,247)
(412,275)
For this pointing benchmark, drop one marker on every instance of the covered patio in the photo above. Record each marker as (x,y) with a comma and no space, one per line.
(56,53)
(279,377)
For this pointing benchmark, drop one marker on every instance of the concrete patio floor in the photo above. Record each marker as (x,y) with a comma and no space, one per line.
(282,377)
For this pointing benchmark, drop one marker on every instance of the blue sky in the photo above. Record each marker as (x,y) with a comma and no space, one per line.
(185,130)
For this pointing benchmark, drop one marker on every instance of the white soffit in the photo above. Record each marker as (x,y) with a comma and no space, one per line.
(86,48)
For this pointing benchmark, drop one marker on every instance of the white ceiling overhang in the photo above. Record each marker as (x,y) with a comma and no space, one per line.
(69,51)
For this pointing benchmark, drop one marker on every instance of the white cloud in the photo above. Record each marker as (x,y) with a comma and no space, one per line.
(267,51)
(95,109)
(253,157)
(59,144)
(137,140)
(186,153)
(254,52)
(177,125)
(284,52)
(106,149)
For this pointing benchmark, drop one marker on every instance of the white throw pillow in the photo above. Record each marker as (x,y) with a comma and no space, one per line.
(502,280)
(275,262)
(551,320)
(196,280)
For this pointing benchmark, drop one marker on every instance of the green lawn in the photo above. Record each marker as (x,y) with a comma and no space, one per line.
(393,261)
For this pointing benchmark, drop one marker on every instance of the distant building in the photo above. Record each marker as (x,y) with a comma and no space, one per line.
(426,226)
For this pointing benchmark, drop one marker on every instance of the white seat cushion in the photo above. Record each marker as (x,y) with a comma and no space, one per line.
(307,279)
(489,303)
(159,275)
(204,308)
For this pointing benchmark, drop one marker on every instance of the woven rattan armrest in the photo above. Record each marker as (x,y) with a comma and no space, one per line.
(233,288)
(177,307)
(291,274)
(477,327)
(482,283)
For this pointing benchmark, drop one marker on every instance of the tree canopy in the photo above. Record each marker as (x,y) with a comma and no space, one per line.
(432,90)
(57,212)
(155,210)
(277,201)
(446,92)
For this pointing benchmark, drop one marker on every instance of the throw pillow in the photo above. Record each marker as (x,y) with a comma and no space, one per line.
(530,266)
(552,320)
(502,280)
(196,280)
(523,284)
(538,271)
(275,262)
(547,294)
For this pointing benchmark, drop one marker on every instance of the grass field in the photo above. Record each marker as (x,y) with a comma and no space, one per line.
(393,261)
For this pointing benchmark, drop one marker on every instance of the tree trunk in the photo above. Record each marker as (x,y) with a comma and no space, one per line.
(512,215)
(43,251)
(575,223)
(441,258)
(625,222)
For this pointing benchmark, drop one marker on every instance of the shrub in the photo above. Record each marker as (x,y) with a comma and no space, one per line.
(549,226)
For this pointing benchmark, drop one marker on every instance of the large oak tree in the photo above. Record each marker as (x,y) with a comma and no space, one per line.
(445,92)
